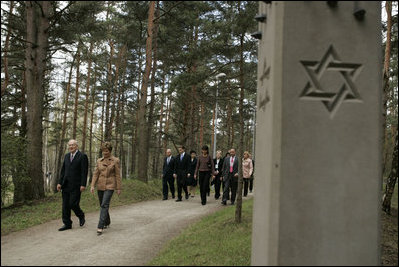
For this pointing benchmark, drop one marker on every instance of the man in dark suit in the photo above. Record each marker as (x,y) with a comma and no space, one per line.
(167,175)
(72,181)
(230,177)
(182,167)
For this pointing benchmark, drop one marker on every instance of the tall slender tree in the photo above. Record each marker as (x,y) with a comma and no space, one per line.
(142,119)
(37,40)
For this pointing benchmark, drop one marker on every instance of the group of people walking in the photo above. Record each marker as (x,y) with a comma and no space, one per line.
(187,170)
(190,170)
(73,180)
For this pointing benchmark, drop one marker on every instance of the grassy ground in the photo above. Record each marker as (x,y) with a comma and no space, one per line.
(214,240)
(19,218)
(389,233)
(217,240)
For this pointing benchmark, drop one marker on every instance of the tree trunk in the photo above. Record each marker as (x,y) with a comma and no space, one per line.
(134,137)
(202,125)
(392,178)
(160,152)
(230,134)
(153,81)
(93,100)
(87,97)
(108,126)
(19,177)
(121,54)
(103,119)
(241,143)
(142,121)
(388,8)
(121,132)
(168,109)
(75,109)
(5,55)
(37,23)
(61,148)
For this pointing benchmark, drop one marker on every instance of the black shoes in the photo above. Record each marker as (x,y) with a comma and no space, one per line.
(178,200)
(224,202)
(82,221)
(64,227)
(100,231)
(186,196)
(165,198)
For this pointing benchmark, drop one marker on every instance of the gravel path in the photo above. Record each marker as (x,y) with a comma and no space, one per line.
(136,235)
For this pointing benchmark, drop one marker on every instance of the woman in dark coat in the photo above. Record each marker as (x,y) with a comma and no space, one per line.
(191,181)
(218,162)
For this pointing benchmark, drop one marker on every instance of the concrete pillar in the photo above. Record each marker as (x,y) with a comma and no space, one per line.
(317,185)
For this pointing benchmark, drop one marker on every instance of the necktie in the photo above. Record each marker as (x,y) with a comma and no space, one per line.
(181,157)
(71,157)
(231,164)
(168,161)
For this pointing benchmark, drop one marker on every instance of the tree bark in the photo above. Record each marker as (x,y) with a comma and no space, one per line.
(87,97)
(37,22)
(153,81)
(5,55)
(160,153)
(19,176)
(61,148)
(387,57)
(241,143)
(75,109)
(202,125)
(392,178)
(142,121)
(134,137)
(108,126)
(93,100)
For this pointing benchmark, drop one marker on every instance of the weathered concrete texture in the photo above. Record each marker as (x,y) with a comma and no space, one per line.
(136,235)
(318,135)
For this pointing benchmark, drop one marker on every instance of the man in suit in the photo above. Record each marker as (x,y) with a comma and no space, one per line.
(230,177)
(167,175)
(72,182)
(182,167)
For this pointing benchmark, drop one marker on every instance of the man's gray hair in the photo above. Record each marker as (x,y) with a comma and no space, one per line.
(74,141)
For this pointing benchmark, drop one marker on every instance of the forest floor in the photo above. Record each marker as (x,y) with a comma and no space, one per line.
(136,235)
(389,238)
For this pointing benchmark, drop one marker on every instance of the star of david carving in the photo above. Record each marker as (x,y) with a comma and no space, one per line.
(331,62)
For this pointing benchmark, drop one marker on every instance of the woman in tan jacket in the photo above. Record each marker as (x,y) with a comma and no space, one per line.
(247,170)
(107,178)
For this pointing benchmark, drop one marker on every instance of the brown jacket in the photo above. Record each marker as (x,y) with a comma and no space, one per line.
(107,174)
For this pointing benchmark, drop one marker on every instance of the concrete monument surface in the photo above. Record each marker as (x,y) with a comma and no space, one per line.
(318,134)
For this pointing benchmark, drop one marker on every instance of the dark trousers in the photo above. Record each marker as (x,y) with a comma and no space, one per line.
(231,182)
(246,183)
(181,184)
(70,201)
(165,181)
(217,184)
(228,192)
(104,198)
(251,183)
(204,184)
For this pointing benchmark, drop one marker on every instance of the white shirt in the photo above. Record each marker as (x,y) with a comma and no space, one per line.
(217,164)
(73,155)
